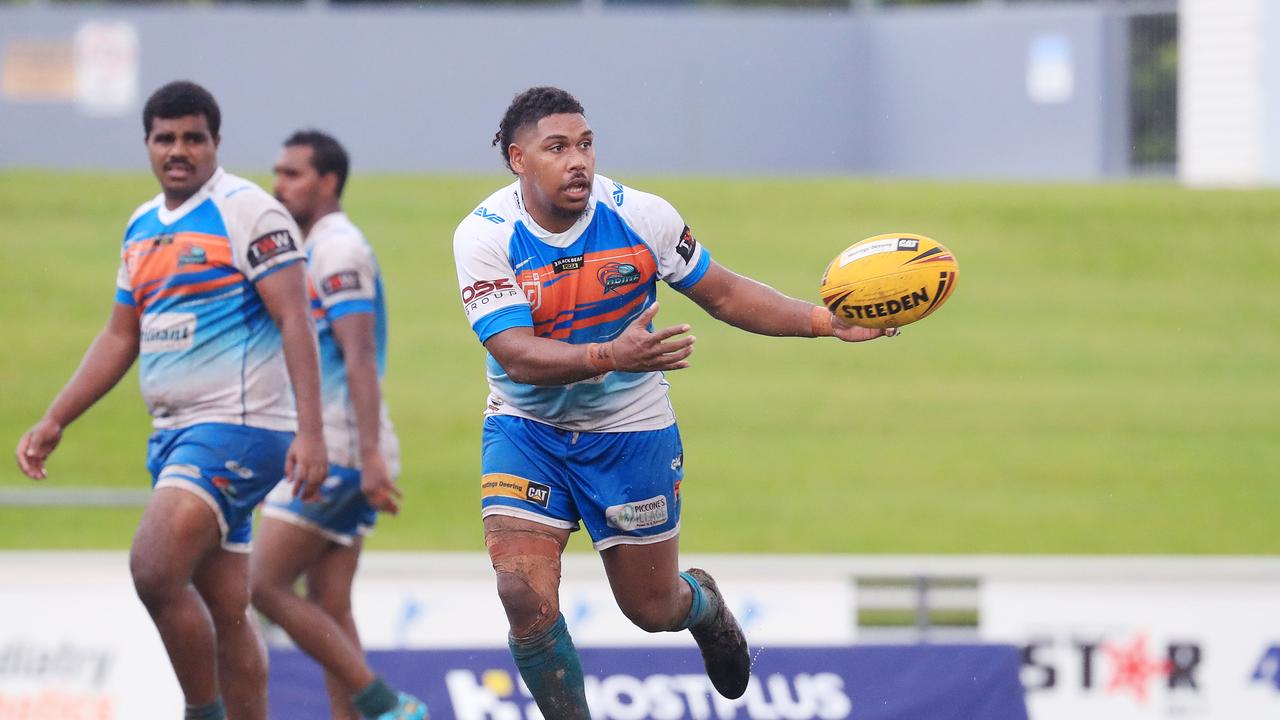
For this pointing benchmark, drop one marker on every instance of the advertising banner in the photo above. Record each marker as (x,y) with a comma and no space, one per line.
(1135,649)
(938,682)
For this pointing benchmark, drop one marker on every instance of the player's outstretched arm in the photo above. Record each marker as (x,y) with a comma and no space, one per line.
(532,360)
(284,294)
(105,362)
(355,335)
(755,307)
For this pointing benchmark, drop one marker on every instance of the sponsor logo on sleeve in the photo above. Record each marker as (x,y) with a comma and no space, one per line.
(483,293)
(273,244)
(512,486)
(687,245)
(615,275)
(342,281)
(492,217)
(638,515)
(167,332)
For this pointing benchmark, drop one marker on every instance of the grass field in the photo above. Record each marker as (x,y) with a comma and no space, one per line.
(1104,380)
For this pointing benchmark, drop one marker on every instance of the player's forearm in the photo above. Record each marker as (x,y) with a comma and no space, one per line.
(758,308)
(303,362)
(106,361)
(366,399)
(542,361)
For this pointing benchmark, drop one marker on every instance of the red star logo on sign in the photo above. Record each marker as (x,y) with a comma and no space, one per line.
(1132,669)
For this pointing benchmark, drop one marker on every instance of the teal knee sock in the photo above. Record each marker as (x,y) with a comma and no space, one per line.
(551,669)
(213,711)
(701,609)
(376,699)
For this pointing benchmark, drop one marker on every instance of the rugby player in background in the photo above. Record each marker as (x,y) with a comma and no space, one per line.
(558,273)
(211,299)
(322,540)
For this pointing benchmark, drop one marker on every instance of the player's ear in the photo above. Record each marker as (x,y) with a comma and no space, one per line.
(515,156)
(329,183)
(216,139)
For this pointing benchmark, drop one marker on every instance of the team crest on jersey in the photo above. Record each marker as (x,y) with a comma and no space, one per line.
(195,255)
(618,194)
(687,245)
(615,275)
(273,244)
(340,282)
(532,286)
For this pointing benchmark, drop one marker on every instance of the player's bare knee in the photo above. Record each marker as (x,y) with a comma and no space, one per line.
(155,587)
(528,612)
(227,606)
(265,594)
(527,563)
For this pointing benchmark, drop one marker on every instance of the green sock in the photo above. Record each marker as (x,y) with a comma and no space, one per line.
(213,711)
(376,699)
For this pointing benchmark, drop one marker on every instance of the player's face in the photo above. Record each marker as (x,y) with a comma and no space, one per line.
(184,154)
(298,186)
(556,162)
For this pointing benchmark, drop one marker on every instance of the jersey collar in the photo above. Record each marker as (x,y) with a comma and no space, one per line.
(169,217)
(562,239)
(319,226)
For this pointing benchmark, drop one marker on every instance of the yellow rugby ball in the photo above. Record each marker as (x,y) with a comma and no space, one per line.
(889,280)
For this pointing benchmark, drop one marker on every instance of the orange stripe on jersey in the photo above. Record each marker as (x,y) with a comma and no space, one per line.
(596,278)
(196,288)
(628,309)
(151,264)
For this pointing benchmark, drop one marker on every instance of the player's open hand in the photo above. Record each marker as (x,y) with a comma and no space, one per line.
(36,445)
(307,465)
(638,350)
(857,333)
(376,484)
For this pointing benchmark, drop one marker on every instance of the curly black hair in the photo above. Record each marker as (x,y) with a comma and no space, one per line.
(327,154)
(528,108)
(179,99)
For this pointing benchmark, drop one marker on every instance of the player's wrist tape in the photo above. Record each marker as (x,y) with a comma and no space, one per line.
(820,321)
(600,355)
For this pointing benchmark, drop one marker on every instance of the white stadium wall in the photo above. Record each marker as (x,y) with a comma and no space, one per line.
(1023,91)
(1229,92)
(1100,638)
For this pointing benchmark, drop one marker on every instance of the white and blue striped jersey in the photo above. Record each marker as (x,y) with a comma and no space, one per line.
(580,286)
(209,350)
(344,278)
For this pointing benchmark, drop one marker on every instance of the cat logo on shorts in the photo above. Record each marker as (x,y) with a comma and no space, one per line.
(504,485)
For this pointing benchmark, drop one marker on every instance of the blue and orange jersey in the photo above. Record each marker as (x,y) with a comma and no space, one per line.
(580,286)
(209,351)
(343,278)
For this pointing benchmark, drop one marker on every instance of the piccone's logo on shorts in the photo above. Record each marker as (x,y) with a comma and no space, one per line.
(615,275)
(512,486)
(638,515)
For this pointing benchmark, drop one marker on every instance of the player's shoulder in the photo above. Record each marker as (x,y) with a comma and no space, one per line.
(494,217)
(241,198)
(336,234)
(638,207)
(145,215)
